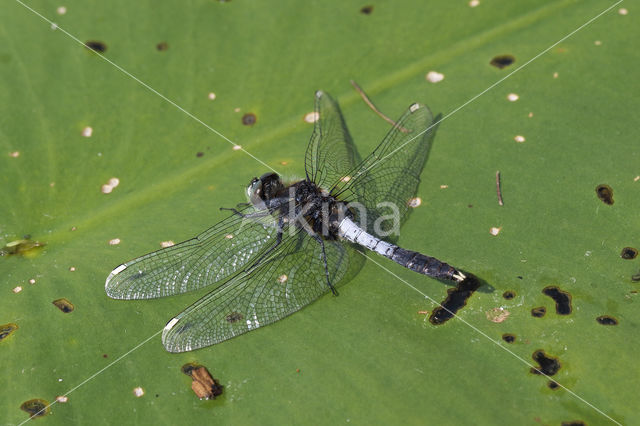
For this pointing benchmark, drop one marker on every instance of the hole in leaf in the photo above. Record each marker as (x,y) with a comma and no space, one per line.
(96,46)
(456,299)
(366,10)
(249,119)
(607,320)
(508,295)
(562,299)
(35,407)
(629,253)
(548,364)
(64,305)
(539,312)
(605,194)
(502,61)
(7,329)
(509,338)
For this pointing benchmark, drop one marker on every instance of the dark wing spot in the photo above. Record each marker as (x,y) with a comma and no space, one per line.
(502,61)
(233,317)
(605,193)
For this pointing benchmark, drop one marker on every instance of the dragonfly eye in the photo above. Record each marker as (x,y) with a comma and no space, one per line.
(254,190)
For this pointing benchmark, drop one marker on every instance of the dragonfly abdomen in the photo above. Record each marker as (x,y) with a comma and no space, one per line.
(413,260)
(424,264)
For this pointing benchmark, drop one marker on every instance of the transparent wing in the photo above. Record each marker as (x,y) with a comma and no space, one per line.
(208,258)
(388,178)
(289,280)
(331,153)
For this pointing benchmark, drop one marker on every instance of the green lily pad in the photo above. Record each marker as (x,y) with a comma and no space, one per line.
(371,354)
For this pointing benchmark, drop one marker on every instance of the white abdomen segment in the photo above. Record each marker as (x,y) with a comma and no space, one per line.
(349,230)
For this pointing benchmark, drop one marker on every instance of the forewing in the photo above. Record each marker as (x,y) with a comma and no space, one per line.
(331,153)
(388,178)
(289,280)
(208,258)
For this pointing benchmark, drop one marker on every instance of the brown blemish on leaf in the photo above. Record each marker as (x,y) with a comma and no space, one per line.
(203,385)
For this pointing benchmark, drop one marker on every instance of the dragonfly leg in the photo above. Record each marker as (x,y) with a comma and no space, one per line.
(326,267)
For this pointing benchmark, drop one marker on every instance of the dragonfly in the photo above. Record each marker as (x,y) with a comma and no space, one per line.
(292,242)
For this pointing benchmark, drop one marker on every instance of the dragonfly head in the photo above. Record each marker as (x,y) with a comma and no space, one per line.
(266,187)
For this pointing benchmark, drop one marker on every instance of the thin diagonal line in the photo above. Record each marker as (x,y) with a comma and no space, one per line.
(146,86)
(375,163)
(477,330)
(94,375)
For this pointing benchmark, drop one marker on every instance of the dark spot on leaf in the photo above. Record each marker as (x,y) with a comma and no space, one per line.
(607,320)
(162,46)
(629,253)
(539,311)
(104,355)
(456,298)
(548,364)
(635,278)
(249,119)
(574,423)
(367,10)
(509,338)
(35,407)
(157,395)
(188,368)
(233,317)
(562,299)
(64,305)
(25,247)
(553,385)
(605,193)
(7,329)
(204,386)
(519,277)
(470,206)
(502,61)
(509,294)
(200,154)
(96,46)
